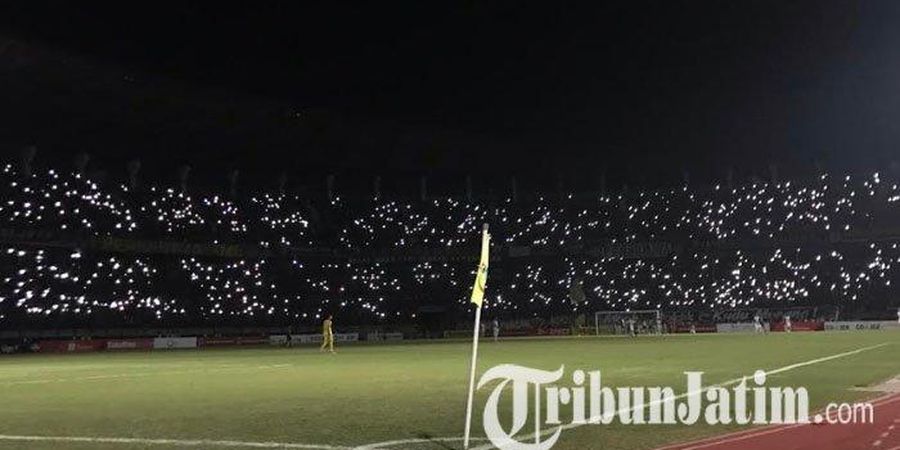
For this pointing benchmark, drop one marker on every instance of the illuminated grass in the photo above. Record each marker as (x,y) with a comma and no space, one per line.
(373,393)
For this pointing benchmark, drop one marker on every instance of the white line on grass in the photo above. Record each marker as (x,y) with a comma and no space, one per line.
(723,384)
(389,444)
(373,446)
(204,443)
(763,431)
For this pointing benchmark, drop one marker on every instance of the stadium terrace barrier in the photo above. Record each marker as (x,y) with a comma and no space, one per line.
(129,344)
(553,331)
(862,325)
(166,343)
(512,332)
(797,313)
(459,334)
(71,346)
(697,328)
(742,327)
(281,339)
(384,336)
(232,341)
(800,325)
(137,333)
(317,338)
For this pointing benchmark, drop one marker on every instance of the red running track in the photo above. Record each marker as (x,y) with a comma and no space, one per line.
(882,434)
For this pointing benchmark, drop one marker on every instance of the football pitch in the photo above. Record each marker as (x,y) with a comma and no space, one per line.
(392,396)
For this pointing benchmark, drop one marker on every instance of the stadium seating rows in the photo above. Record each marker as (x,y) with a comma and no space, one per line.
(75,250)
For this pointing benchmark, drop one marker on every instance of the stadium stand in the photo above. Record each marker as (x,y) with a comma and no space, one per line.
(81,253)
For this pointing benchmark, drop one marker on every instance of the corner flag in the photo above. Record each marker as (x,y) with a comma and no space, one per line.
(481,275)
(477,299)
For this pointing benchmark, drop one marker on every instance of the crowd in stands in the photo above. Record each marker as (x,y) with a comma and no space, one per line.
(76,251)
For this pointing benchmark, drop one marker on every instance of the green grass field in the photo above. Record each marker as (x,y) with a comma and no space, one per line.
(375,393)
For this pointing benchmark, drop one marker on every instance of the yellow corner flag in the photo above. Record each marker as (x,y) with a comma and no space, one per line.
(481,276)
(478,299)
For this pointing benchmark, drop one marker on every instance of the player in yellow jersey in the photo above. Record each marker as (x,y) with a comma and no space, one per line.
(327,335)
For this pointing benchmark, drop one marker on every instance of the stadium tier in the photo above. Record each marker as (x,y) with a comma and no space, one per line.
(78,252)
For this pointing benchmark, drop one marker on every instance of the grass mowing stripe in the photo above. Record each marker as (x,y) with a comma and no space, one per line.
(143,374)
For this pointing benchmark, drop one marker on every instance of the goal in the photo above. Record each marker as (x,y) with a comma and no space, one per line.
(647,321)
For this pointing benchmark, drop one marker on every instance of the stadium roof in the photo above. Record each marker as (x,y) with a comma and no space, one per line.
(639,90)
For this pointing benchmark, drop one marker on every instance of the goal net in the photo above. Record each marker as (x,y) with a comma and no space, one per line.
(628,322)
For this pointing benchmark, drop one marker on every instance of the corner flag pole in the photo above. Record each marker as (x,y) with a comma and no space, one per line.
(472,379)
(477,299)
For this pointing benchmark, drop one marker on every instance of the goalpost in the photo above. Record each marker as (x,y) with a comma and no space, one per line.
(644,321)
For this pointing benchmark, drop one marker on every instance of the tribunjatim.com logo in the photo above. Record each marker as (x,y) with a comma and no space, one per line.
(588,402)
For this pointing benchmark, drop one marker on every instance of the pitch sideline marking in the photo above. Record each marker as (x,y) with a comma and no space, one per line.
(761,431)
(178,442)
(724,384)
(389,444)
(771,429)
(206,443)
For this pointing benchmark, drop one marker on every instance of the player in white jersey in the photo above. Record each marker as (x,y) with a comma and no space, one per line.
(757,324)
(787,324)
(496,329)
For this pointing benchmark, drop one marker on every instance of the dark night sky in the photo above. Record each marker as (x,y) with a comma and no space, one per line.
(637,89)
